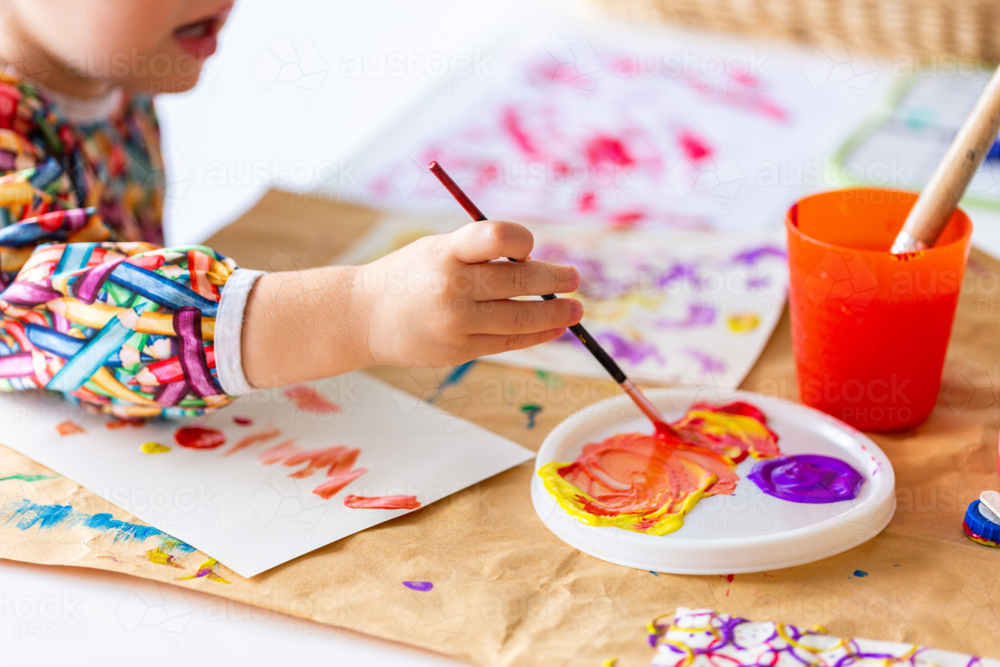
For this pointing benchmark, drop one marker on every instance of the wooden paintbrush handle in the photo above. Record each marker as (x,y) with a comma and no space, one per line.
(941,194)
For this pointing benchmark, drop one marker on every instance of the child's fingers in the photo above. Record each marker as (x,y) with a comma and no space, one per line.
(484,344)
(522,317)
(488,240)
(505,280)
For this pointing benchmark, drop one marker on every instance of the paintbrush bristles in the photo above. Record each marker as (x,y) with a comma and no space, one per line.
(942,193)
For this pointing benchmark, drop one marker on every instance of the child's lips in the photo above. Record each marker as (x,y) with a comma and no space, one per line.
(200,38)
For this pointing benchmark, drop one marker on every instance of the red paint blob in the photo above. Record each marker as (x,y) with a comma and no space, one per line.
(243,421)
(607,150)
(695,149)
(199,437)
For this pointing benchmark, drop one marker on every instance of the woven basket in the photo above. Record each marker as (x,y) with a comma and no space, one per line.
(968,29)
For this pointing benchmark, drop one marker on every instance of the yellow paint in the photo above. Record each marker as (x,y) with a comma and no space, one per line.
(662,521)
(743,322)
(747,429)
(206,570)
(160,557)
(154,448)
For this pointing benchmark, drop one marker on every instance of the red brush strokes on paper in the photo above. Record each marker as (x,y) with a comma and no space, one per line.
(588,202)
(382,502)
(603,149)
(310,400)
(695,148)
(329,488)
(627,219)
(511,121)
(242,421)
(69,428)
(116,424)
(199,437)
(278,452)
(337,458)
(253,439)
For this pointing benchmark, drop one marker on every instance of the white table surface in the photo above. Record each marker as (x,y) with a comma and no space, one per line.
(76,616)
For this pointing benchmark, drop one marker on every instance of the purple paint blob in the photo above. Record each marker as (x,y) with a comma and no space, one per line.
(807,478)
(422,586)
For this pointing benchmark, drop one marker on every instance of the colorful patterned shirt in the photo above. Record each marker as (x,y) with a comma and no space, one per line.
(93,307)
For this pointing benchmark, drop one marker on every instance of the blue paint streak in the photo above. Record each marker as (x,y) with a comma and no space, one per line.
(860,573)
(456,375)
(654,573)
(25,514)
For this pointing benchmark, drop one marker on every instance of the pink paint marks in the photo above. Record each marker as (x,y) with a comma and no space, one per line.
(382,502)
(588,202)
(329,488)
(695,148)
(253,439)
(278,452)
(242,421)
(199,437)
(489,175)
(603,149)
(511,122)
(69,428)
(307,399)
(626,219)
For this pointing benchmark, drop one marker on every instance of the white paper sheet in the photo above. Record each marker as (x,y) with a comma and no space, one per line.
(248,515)
(658,129)
(678,308)
(901,146)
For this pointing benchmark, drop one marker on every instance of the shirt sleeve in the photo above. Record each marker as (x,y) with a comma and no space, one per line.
(126,329)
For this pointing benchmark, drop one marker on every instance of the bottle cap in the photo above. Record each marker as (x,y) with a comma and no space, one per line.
(982,525)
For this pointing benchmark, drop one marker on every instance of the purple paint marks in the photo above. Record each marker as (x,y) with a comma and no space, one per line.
(699,315)
(421,586)
(755,255)
(808,478)
(709,364)
(635,351)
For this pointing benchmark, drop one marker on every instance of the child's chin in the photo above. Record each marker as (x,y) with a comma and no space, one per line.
(155,85)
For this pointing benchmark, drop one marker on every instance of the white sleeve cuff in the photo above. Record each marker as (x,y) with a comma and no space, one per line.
(229,332)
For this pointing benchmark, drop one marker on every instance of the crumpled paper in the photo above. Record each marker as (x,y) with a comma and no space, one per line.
(508,592)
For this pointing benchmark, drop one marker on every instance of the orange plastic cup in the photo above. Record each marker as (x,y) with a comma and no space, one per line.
(870,329)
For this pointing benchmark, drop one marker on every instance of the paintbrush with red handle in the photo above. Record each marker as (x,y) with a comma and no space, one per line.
(629,387)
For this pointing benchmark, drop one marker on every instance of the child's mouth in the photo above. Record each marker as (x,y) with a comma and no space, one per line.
(200,38)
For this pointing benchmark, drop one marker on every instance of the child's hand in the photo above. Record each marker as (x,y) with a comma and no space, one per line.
(442,300)
(439,301)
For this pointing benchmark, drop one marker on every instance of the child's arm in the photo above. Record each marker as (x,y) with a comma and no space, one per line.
(437,302)
(130,329)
